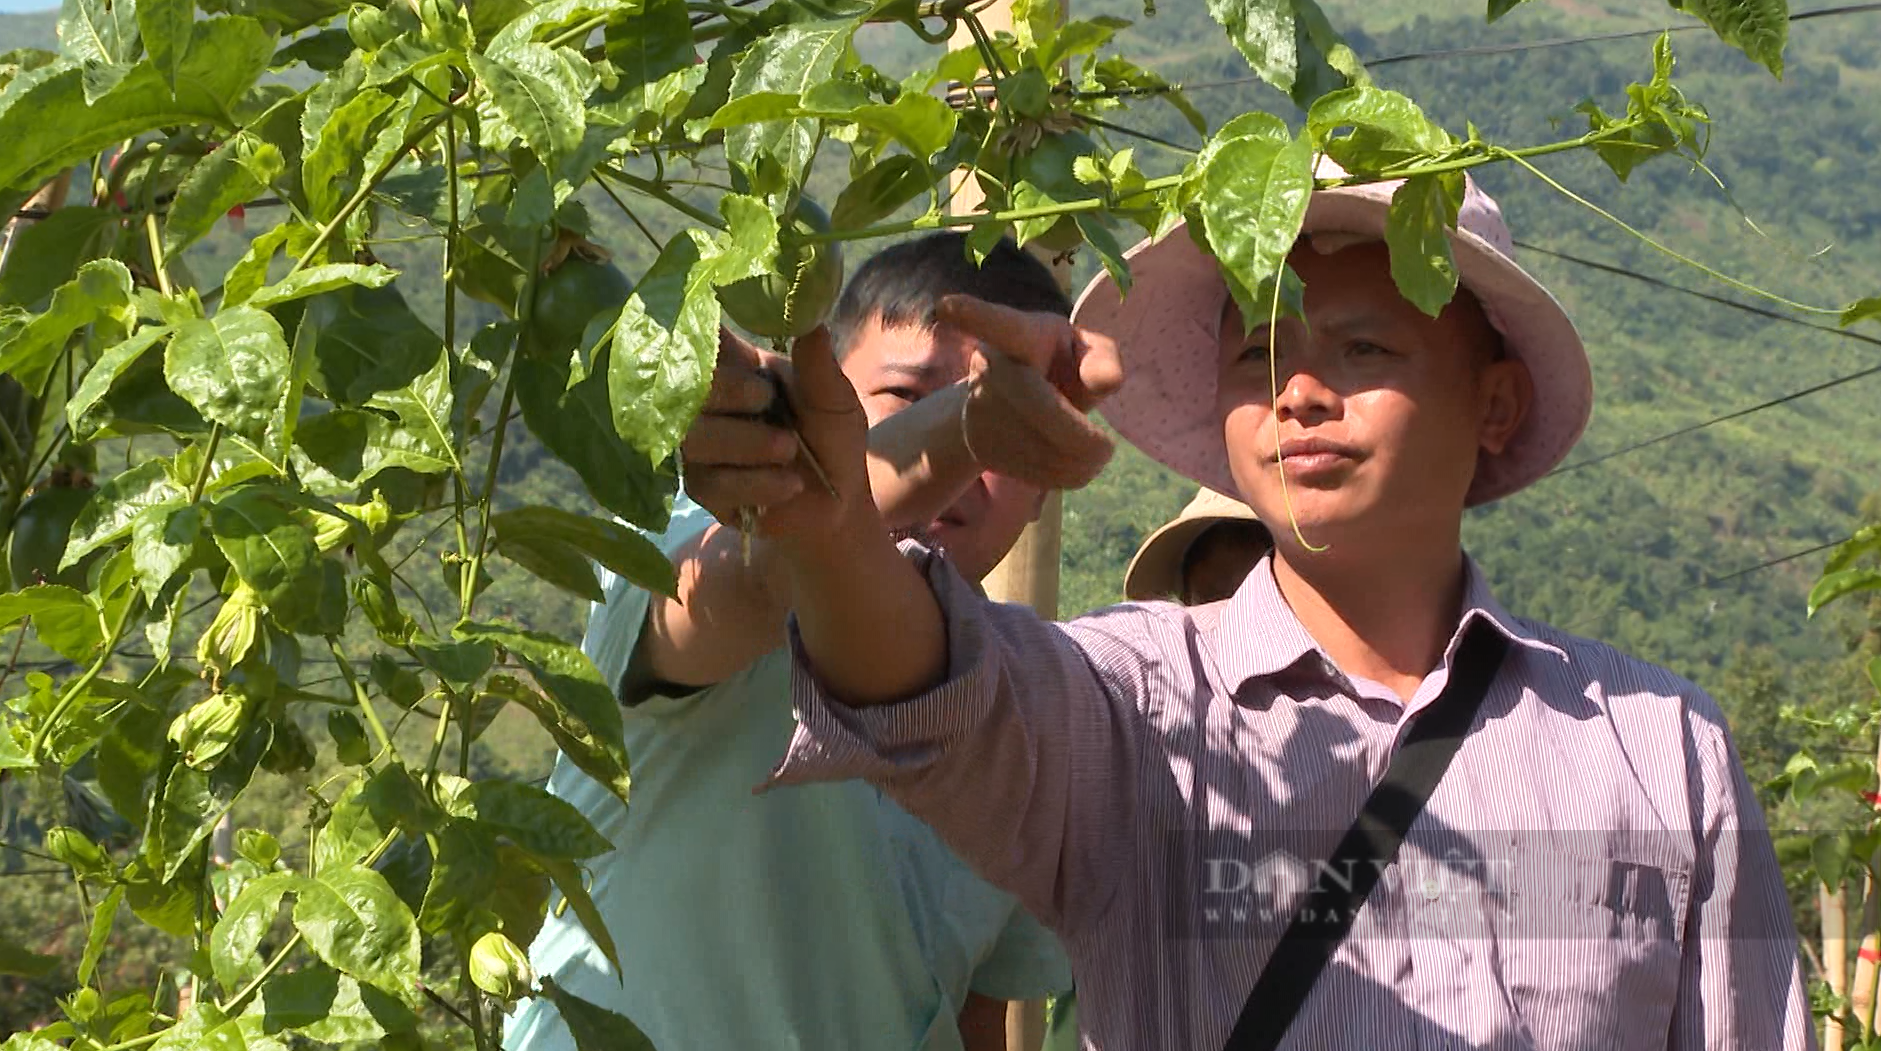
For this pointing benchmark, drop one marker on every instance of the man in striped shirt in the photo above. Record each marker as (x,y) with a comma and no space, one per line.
(1156,783)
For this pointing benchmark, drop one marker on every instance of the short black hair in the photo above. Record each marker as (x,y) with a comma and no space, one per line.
(903,283)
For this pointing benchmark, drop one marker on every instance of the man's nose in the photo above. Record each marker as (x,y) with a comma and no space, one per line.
(1305,397)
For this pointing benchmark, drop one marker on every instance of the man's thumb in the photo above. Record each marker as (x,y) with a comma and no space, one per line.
(821,387)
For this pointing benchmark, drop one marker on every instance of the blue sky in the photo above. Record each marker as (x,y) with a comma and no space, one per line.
(15,6)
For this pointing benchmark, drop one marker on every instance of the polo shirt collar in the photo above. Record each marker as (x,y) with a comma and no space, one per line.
(1260,636)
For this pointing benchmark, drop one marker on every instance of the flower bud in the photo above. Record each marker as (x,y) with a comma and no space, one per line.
(72,847)
(499,968)
(207,730)
(232,634)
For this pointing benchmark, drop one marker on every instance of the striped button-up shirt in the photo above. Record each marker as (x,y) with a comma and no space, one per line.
(1159,784)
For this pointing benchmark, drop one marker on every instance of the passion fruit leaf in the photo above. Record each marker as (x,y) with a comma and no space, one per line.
(531,818)
(1252,201)
(539,93)
(106,519)
(47,253)
(163,538)
(102,37)
(100,290)
(165,28)
(594,1028)
(63,618)
(1758,28)
(568,879)
(574,705)
(366,342)
(463,873)
(355,922)
(337,147)
(232,368)
(237,936)
(321,1004)
(239,171)
(267,546)
(1861,310)
(1385,128)
(51,125)
(623,551)
(575,423)
(317,280)
(1262,30)
(555,562)
(102,919)
(880,191)
(191,801)
(790,61)
(921,123)
(665,347)
(1417,231)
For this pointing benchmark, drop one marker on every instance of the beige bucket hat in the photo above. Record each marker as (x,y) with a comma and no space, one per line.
(1167,330)
(1156,570)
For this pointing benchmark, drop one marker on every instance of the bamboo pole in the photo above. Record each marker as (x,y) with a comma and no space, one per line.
(1834,908)
(1029,572)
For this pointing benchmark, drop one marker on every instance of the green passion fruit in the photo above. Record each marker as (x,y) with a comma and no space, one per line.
(40,532)
(800,291)
(570,296)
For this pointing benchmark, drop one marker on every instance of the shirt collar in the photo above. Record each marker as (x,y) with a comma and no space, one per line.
(1260,636)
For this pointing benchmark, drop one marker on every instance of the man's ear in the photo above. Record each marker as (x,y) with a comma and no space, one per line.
(1508,391)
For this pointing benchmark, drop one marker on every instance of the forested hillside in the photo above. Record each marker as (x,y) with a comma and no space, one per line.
(1654,550)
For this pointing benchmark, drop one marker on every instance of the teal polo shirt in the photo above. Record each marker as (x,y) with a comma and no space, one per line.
(819,917)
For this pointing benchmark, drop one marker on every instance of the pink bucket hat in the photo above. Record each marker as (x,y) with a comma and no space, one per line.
(1167,331)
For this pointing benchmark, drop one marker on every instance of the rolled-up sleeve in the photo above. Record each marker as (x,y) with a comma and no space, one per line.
(1025,759)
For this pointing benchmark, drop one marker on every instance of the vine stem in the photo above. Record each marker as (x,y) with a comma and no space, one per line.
(450,337)
(1668,250)
(360,195)
(665,197)
(359,695)
(156,254)
(78,685)
(525,317)
(208,463)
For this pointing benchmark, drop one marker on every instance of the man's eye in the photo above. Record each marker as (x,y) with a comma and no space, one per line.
(906,394)
(1365,349)
(1256,351)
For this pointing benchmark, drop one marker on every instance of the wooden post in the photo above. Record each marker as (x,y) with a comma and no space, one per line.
(1834,956)
(1029,572)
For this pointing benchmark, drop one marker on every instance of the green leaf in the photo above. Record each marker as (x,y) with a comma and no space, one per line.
(63,618)
(101,290)
(594,1028)
(1262,30)
(327,1007)
(622,550)
(323,52)
(50,126)
(163,538)
(579,710)
(102,36)
(266,545)
(575,423)
(533,819)
(556,563)
(567,876)
(656,65)
(319,280)
(1758,28)
(369,809)
(192,801)
(790,60)
(238,934)
(540,95)
(365,339)
(1417,231)
(1498,8)
(552,18)
(665,348)
(165,26)
(1252,198)
(250,272)
(102,919)
(236,172)
(1862,310)
(1385,128)
(1866,540)
(232,368)
(355,922)
(423,408)
(26,963)
(520,899)
(336,147)
(1837,585)
(881,190)
(107,518)
(1829,853)
(48,252)
(84,410)
(463,875)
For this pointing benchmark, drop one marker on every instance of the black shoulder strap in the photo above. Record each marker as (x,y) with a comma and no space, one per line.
(1371,844)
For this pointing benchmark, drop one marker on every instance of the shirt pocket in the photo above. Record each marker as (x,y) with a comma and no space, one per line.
(1590,948)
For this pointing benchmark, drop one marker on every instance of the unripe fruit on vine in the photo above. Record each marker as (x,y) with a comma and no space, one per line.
(569,297)
(205,732)
(800,291)
(71,846)
(290,752)
(499,968)
(349,738)
(40,532)
(1062,237)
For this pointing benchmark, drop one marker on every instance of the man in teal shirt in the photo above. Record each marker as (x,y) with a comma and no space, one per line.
(826,917)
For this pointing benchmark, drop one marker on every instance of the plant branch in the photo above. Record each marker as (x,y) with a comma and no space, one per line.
(208,464)
(365,190)
(359,694)
(664,196)
(37,753)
